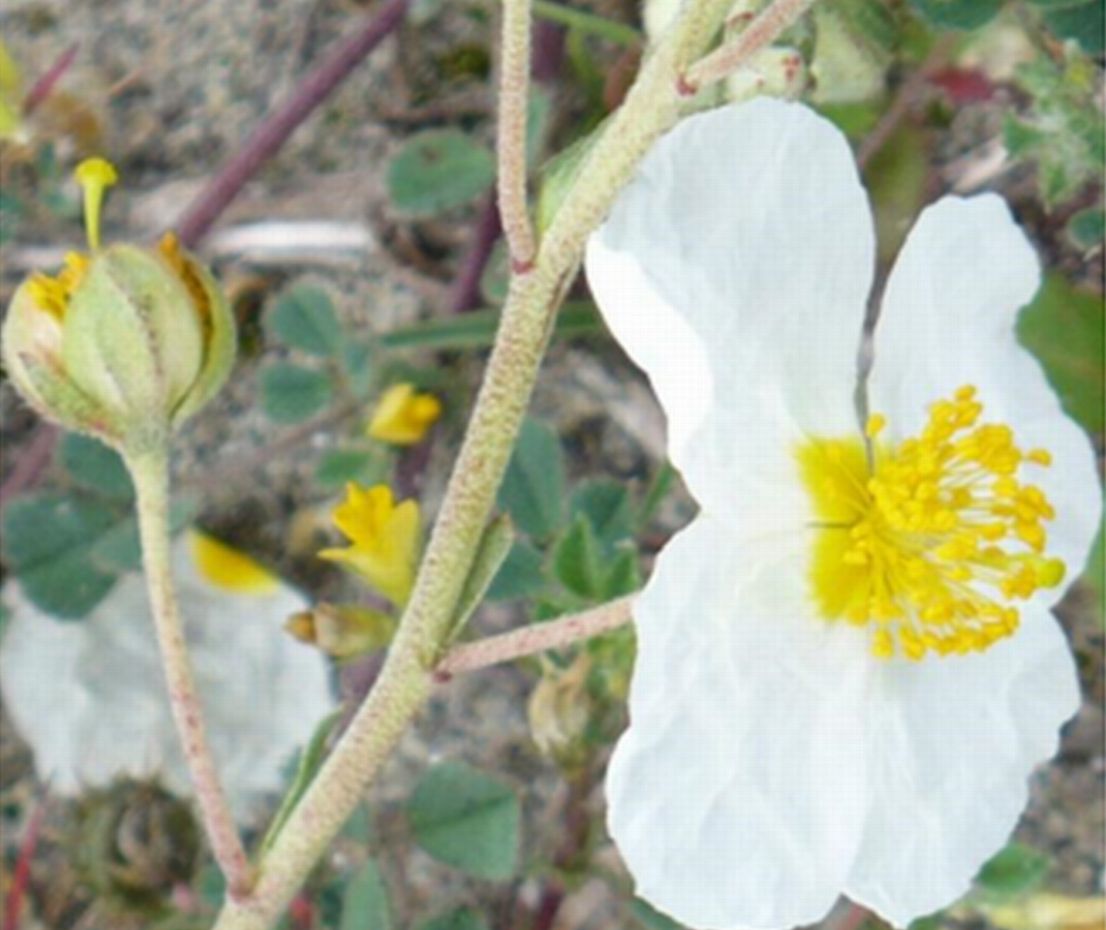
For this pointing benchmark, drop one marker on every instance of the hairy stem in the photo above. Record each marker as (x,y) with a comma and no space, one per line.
(650,108)
(150,473)
(514,85)
(537,638)
(762,31)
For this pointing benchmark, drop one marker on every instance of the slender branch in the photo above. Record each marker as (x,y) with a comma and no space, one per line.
(44,86)
(464,295)
(538,638)
(650,108)
(283,121)
(31,463)
(906,98)
(150,473)
(514,86)
(762,31)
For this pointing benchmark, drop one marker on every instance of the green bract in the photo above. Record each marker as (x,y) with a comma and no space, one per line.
(124,345)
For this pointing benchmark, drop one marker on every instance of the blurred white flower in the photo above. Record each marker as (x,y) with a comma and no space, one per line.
(847,666)
(89,696)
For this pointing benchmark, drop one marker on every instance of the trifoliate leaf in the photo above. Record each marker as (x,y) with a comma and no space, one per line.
(437,170)
(466,819)
(290,393)
(533,489)
(304,318)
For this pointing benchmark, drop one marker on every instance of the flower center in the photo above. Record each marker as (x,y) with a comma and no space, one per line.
(931,541)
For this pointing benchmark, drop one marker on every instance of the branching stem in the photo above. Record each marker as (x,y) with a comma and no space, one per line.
(150,473)
(762,31)
(540,637)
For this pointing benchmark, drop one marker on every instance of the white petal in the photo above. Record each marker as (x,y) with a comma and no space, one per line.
(89,696)
(948,320)
(952,744)
(737,794)
(734,270)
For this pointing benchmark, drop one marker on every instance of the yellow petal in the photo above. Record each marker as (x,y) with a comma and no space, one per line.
(230,570)
(403,417)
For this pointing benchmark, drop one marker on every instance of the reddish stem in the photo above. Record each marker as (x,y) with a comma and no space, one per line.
(31,462)
(283,121)
(465,293)
(44,86)
(21,876)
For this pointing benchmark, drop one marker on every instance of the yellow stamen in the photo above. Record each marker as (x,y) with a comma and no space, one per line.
(95,175)
(929,543)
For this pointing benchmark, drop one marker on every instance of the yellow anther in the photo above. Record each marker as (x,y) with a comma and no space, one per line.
(95,175)
(932,542)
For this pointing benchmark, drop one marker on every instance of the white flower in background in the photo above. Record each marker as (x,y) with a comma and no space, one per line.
(89,696)
(847,667)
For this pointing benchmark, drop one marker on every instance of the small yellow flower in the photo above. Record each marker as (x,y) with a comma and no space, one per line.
(384,539)
(402,416)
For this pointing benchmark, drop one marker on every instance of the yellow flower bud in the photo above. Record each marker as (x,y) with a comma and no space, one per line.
(384,539)
(343,630)
(403,417)
(124,343)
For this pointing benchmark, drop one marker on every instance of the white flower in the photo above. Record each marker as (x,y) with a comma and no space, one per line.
(89,695)
(843,682)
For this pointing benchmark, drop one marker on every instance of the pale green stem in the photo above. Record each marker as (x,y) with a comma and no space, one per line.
(150,473)
(650,108)
(762,31)
(514,85)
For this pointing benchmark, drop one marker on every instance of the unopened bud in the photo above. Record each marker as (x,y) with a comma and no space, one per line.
(342,630)
(559,710)
(124,343)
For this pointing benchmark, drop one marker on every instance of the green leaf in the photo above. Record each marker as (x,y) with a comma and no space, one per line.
(588,23)
(495,545)
(957,14)
(650,918)
(496,276)
(437,170)
(337,466)
(577,560)
(309,762)
(120,550)
(1013,871)
(48,540)
(476,330)
(1081,20)
(539,110)
(1087,228)
(558,175)
(623,574)
(365,904)
(606,506)
(520,575)
(304,318)
(95,466)
(533,489)
(1094,575)
(1063,327)
(896,180)
(290,394)
(356,361)
(466,819)
(461,919)
(359,828)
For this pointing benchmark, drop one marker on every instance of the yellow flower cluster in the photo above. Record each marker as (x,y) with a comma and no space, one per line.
(384,539)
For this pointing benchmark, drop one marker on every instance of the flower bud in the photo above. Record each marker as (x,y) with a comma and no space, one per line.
(342,630)
(124,343)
